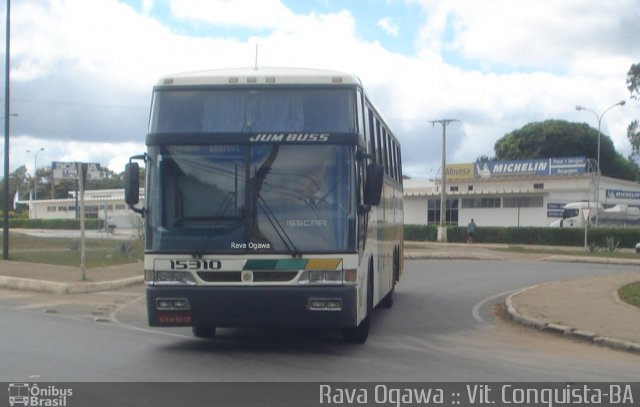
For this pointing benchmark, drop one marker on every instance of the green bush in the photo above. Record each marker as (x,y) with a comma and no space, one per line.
(73,224)
(624,237)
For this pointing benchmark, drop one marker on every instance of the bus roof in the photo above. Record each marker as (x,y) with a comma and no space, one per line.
(267,76)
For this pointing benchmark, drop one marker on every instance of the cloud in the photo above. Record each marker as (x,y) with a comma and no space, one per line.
(255,15)
(111,155)
(389,26)
(82,72)
(147,6)
(532,34)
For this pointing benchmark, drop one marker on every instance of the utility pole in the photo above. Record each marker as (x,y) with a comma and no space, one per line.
(442,228)
(7,115)
(599,173)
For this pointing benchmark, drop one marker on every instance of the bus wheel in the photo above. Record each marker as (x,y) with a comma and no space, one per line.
(204,331)
(360,333)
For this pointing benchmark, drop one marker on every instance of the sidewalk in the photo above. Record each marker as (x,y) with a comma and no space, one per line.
(587,308)
(67,280)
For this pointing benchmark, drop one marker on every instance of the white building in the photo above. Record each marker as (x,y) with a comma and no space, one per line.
(99,204)
(513,193)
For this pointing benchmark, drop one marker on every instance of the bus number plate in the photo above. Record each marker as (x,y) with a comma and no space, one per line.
(188,265)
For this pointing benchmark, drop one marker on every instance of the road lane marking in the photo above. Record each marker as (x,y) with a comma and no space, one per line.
(476,308)
(114,318)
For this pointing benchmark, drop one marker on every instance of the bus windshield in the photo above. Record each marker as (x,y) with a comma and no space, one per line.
(251,198)
(252,110)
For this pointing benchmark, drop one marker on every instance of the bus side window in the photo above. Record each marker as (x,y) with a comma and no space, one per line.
(378,142)
(370,133)
(392,153)
(360,114)
(387,169)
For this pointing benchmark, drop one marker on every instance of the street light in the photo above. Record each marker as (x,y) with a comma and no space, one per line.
(598,172)
(442,228)
(35,179)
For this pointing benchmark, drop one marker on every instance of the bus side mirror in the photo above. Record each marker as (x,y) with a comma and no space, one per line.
(373,186)
(132,185)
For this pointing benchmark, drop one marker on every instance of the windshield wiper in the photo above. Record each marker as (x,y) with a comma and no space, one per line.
(280,231)
(200,251)
(255,198)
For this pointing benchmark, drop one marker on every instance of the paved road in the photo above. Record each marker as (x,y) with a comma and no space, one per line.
(441,328)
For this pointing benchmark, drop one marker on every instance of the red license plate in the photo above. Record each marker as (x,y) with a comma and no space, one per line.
(174,318)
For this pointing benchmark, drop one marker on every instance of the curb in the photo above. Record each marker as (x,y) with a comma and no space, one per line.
(567,331)
(29,284)
(594,260)
(417,255)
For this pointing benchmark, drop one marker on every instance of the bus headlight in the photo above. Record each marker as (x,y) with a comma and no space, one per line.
(327,277)
(172,304)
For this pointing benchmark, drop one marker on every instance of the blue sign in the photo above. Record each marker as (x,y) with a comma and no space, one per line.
(553,205)
(567,166)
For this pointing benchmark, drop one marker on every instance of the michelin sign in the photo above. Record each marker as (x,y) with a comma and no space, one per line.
(537,167)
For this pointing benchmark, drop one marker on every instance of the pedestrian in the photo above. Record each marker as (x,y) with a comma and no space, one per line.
(471,231)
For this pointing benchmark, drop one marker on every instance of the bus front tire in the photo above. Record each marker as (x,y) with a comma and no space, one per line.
(206,332)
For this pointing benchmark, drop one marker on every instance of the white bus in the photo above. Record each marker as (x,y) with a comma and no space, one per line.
(273,198)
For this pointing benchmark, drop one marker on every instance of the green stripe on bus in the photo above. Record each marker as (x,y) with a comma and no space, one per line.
(291,264)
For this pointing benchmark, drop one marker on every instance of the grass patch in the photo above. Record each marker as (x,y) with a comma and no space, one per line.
(630,293)
(92,258)
(66,251)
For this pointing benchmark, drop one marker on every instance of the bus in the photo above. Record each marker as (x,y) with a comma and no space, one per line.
(273,197)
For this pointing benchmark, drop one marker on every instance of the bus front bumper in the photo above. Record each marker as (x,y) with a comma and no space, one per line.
(212,306)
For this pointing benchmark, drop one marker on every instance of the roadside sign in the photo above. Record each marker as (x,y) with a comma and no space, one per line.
(69,170)
(585,214)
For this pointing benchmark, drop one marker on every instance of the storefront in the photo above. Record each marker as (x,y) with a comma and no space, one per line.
(513,193)
(98,204)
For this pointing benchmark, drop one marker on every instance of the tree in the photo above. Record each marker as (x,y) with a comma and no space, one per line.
(559,138)
(633,131)
(18,181)
(484,159)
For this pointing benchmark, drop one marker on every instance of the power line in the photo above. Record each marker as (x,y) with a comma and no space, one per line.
(79,104)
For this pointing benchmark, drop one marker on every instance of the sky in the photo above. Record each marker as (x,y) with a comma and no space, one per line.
(82,70)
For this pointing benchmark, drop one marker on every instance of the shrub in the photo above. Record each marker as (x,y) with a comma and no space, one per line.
(73,224)
(613,238)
